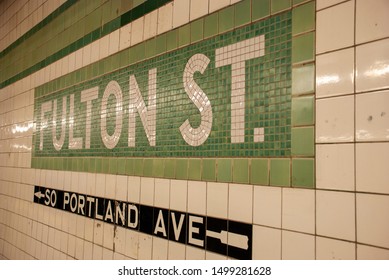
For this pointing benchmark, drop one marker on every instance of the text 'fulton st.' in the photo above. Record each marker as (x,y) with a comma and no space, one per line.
(93,104)
(214,234)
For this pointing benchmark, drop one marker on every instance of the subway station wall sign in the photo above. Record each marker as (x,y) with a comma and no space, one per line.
(230,238)
(226,96)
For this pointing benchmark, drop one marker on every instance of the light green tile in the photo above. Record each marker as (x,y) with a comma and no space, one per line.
(279,5)
(197,30)
(170,168)
(194,172)
(211,25)
(261,9)
(226,19)
(224,168)
(240,171)
(303,79)
(158,167)
(303,173)
(303,110)
(150,48)
(303,48)
(303,18)
(259,172)
(171,40)
(129,166)
(209,170)
(161,44)
(182,169)
(243,12)
(113,166)
(303,141)
(184,35)
(280,172)
(138,167)
(148,165)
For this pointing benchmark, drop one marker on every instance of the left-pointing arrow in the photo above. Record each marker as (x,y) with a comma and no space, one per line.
(39,195)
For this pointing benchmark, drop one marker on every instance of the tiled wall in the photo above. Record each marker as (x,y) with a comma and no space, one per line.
(337,209)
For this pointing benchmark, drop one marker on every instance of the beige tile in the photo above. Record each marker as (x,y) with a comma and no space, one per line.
(217,200)
(160,247)
(133,191)
(267,206)
(335,167)
(176,251)
(214,256)
(240,203)
(332,249)
(198,9)
(137,31)
(121,188)
(373,219)
(125,37)
(335,73)
(132,244)
(266,243)
(145,246)
(372,161)
(372,253)
(321,4)
(215,5)
(150,25)
(165,18)
(162,193)
(297,246)
(178,195)
(197,197)
(335,214)
(147,191)
(193,253)
(181,10)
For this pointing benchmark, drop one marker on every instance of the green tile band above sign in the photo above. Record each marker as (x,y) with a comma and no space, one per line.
(227,96)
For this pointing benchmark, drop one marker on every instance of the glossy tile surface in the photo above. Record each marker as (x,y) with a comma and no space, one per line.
(332,249)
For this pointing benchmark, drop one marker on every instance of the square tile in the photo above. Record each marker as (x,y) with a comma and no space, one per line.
(335,167)
(240,207)
(373,219)
(372,160)
(217,200)
(335,27)
(266,243)
(267,206)
(372,61)
(335,73)
(297,246)
(331,249)
(298,210)
(335,214)
(303,79)
(335,120)
(372,116)
(197,197)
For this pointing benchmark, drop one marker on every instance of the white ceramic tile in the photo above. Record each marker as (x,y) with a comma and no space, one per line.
(147,191)
(267,206)
(372,20)
(110,186)
(198,9)
(215,5)
(373,219)
(372,161)
(240,203)
(120,240)
(160,247)
(331,249)
(197,197)
(335,167)
(98,232)
(335,120)
(80,230)
(335,214)
(137,31)
(121,188)
(214,256)
(79,255)
(297,246)
(132,243)
(145,246)
(150,28)
(100,185)
(133,189)
(181,10)
(266,243)
(176,251)
(335,73)
(125,36)
(372,116)
(107,254)
(217,200)
(71,246)
(321,4)
(372,66)
(88,231)
(298,210)
(165,18)
(108,236)
(193,253)
(371,253)
(335,27)
(162,193)
(178,195)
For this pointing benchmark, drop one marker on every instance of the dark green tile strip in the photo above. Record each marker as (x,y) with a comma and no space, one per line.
(107,28)
(39,26)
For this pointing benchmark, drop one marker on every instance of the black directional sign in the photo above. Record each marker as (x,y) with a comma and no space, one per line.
(230,238)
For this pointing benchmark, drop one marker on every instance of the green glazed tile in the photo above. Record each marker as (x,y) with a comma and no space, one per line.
(211,25)
(158,168)
(129,166)
(171,40)
(303,18)
(138,167)
(242,12)
(224,173)
(240,171)
(303,47)
(113,166)
(105,165)
(259,172)
(303,79)
(194,172)
(150,48)
(279,5)
(303,141)
(261,9)
(296,2)
(209,170)
(170,168)
(148,167)
(303,173)
(121,166)
(197,30)
(303,110)
(226,19)
(184,35)
(161,44)
(280,172)
(99,165)
(182,169)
